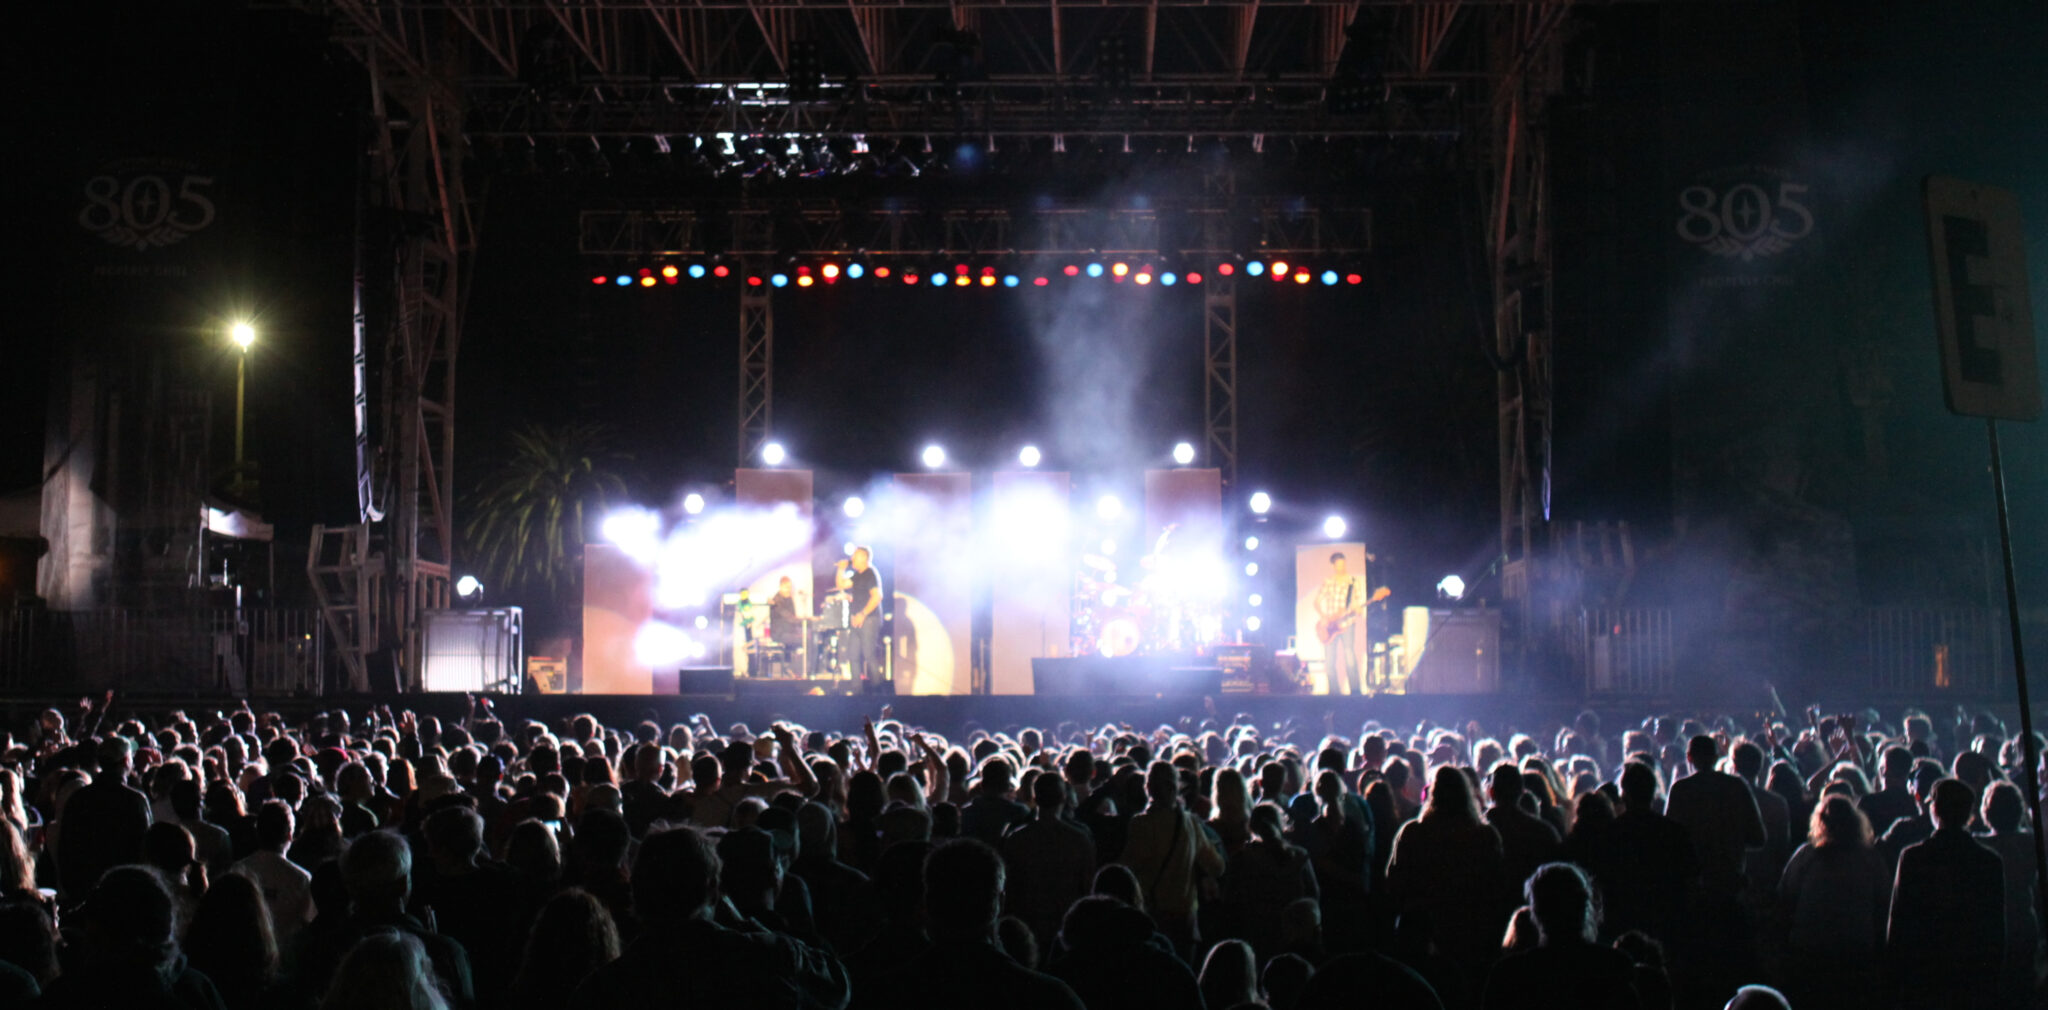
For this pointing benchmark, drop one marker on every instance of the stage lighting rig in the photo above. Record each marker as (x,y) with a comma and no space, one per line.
(773,453)
(1028,456)
(1184,454)
(1334,527)
(934,457)
(1261,503)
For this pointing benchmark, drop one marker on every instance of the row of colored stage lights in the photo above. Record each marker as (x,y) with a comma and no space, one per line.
(963,275)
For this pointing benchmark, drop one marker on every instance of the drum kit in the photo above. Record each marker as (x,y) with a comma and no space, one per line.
(1152,616)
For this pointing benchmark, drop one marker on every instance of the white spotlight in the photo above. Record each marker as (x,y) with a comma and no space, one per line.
(1452,587)
(1334,527)
(1183,454)
(1252,623)
(635,531)
(1028,456)
(1109,548)
(1251,568)
(1251,543)
(1108,507)
(467,586)
(773,454)
(1261,501)
(1256,600)
(854,507)
(848,548)
(703,622)
(693,503)
(934,457)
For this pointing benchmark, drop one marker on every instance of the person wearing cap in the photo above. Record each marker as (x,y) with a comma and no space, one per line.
(104,822)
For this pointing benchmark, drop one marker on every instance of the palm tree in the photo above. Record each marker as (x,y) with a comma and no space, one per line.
(528,521)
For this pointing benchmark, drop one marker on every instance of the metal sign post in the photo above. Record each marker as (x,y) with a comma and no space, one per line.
(1985,322)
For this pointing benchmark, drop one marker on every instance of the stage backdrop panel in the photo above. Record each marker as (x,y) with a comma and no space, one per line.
(1031,590)
(618,597)
(1191,501)
(766,491)
(930,519)
(1311,567)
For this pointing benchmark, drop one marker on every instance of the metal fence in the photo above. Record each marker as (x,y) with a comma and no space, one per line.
(204,651)
(1631,652)
(1913,650)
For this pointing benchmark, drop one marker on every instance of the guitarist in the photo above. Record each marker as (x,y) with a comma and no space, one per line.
(1340,604)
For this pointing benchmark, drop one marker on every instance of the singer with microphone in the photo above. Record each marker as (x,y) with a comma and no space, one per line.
(863,585)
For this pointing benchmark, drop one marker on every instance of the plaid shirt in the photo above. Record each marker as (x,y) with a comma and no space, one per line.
(1330,598)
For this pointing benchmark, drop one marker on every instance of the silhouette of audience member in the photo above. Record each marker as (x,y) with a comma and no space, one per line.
(2003,811)
(1915,827)
(1526,842)
(103,822)
(1947,926)
(386,971)
(1111,962)
(1284,978)
(377,872)
(572,936)
(1718,812)
(1167,848)
(1758,997)
(286,887)
(128,955)
(1051,862)
(1832,903)
(963,898)
(475,901)
(1447,868)
(1568,967)
(1229,976)
(1646,863)
(992,813)
(231,940)
(693,936)
(1264,878)
(844,903)
(1341,981)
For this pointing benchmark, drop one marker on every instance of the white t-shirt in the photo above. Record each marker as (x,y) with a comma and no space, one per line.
(287,889)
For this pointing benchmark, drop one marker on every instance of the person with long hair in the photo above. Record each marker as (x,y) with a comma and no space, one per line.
(2004,811)
(573,935)
(1230,810)
(1832,902)
(1447,867)
(231,940)
(385,971)
(1265,876)
(1230,977)
(1568,966)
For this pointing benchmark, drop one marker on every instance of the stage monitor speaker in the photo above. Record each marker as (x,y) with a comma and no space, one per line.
(1462,654)
(696,682)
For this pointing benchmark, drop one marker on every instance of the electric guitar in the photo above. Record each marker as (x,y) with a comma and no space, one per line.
(1326,630)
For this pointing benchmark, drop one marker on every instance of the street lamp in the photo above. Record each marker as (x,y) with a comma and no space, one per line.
(243,335)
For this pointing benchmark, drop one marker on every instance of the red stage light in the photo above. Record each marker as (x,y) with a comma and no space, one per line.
(1071,271)
(800,271)
(754,282)
(988,271)
(803,280)
(1225,269)
(830,271)
(1037,282)
(720,271)
(909,278)
(644,272)
(831,280)
(1301,278)
(882,272)
(1194,278)
(670,278)
(597,280)
(960,268)
(1353,279)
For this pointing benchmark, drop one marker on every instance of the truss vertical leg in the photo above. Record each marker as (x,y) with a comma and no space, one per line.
(1219,385)
(757,371)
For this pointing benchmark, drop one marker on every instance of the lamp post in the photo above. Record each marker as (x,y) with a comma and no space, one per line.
(243,335)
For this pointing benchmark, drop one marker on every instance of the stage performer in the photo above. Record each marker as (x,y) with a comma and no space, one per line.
(786,624)
(863,586)
(1339,602)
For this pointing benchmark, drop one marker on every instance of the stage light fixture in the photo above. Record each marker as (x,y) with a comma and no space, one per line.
(696,271)
(1071,270)
(882,272)
(855,270)
(1143,277)
(1108,507)
(1094,269)
(988,282)
(703,622)
(847,548)
(1028,456)
(804,281)
(1194,278)
(779,280)
(1039,282)
(1120,269)
(670,271)
(1255,600)
(1452,587)
(1280,267)
(753,281)
(962,281)
(600,279)
(1251,543)
(1334,527)
(693,503)
(1353,279)
(959,268)
(854,507)
(1252,623)
(830,270)
(1254,268)
(1251,568)
(468,586)
(1301,277)
(1225,269)
(934,457)
(623,281)
(646,282)
(1011,280)
(800,271)
(1168,280)
(670,279)
(938,280)
(1183,453)
(721,270)
(1329,277)
(646,271)
(773,454)
(1261,502)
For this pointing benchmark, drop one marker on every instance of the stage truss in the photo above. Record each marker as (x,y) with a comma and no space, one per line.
(455,77)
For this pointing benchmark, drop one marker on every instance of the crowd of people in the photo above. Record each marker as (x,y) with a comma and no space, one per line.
(358,860)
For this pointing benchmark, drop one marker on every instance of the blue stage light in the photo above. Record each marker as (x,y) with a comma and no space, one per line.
(779,280)
(854,271)
(1010,280)
(938,280)
(1255,268)
(1094,269)
(696,271)
(623,281)
(1329,277)
(1168,280)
